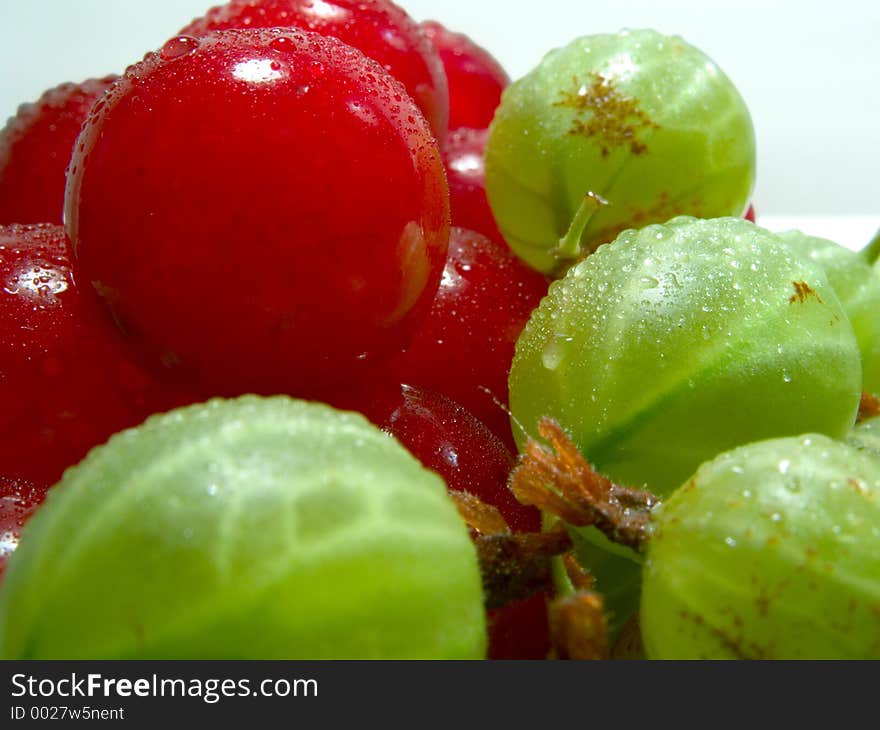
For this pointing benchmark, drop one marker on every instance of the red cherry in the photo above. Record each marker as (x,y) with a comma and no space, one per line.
(66,381)
(35,149)
(465,346)
(18,501)
(464,159)
(475,77)
(447,439)
(263,210)
(378,28)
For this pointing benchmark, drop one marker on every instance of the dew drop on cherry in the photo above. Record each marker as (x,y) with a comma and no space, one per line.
(179,46)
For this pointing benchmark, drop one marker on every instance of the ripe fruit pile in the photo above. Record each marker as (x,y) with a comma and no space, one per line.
(287,202)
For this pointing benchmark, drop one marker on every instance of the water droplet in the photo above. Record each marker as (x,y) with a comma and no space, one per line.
(730,542)
(283,44)
(177,47)
(784,466)
(552,355)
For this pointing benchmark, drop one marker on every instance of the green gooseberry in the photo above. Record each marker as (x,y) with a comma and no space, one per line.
(645,122)
(256,528)
(857,284)
(679,341)
(768,552)
(675,343)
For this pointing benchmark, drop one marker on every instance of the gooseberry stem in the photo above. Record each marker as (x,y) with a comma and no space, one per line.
(513,566)
(570,248)
(871,252)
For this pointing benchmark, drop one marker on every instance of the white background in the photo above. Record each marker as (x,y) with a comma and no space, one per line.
(809,70)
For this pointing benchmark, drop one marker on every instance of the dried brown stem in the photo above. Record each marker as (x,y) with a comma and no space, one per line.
(481,517)
(516,566)
(559,480)
(580,577)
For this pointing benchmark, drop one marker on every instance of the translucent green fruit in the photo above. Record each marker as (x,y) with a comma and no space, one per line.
(680,341)
(857,284)
(646,121)
(769,552)
(254,528)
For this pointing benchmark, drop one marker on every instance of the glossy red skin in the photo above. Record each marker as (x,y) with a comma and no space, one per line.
(476,79)
(465,346)
(378,28)
(35,150)
(264,236)
(750,214)
(464,159)
(18,501)
(67,382)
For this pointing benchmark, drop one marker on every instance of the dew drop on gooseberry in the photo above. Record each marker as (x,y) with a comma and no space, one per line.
(552,355)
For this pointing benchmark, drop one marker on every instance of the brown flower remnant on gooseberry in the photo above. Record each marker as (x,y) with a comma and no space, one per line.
(578,624)
(607,114)
(802,290)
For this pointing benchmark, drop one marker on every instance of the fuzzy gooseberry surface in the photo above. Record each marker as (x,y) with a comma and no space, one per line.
(35,149)
(263,210)
(768,552)
(379,29)
(255,528)
(679,341)
(646,121)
